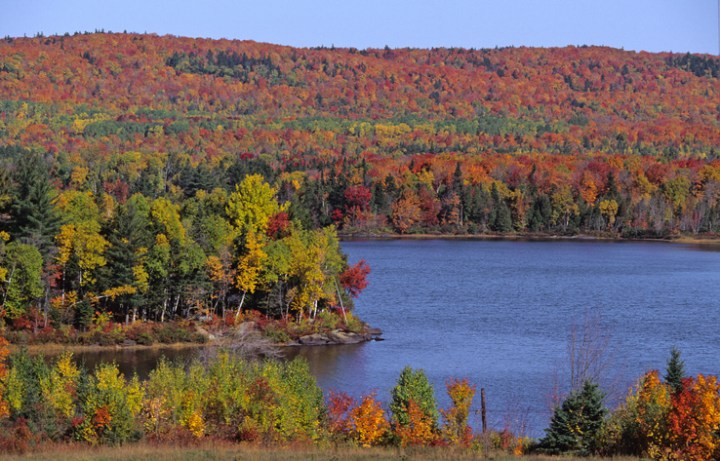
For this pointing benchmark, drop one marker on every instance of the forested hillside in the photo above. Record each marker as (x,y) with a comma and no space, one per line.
(183,174)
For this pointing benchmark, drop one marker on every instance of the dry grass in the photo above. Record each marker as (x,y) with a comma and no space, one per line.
(237,452)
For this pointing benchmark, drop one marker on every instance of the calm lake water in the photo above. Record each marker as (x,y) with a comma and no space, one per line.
(500,313)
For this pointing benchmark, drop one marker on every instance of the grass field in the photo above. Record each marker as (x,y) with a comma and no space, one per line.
(234,452)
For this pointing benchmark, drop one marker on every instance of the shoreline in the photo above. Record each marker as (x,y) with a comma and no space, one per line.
(682,239)
(333,338)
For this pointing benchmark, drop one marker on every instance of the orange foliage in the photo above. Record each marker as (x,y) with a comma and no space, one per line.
(369,422)
(694,419)
(461,394)
(419,429)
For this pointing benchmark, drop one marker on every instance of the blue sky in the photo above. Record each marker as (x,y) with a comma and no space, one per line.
(651,25)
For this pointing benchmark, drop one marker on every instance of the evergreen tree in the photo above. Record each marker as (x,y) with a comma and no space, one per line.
(675,371)
(457,184)
(35,220)
(500,218)
(576,423)
(129,236)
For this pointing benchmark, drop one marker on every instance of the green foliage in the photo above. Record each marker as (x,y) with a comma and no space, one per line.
(576,423)
(110,405)
(675,371)
(36,221)
(413,385)
(23,284)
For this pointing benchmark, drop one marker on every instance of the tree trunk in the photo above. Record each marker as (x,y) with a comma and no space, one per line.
(162,313)
(239,309)
(342,307)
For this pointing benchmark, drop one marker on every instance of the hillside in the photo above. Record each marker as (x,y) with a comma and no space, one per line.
(405,140)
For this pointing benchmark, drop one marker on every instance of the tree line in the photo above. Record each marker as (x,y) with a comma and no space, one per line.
(71,255)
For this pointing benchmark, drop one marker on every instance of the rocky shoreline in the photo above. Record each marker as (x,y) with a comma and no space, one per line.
(249,332)
(338,337)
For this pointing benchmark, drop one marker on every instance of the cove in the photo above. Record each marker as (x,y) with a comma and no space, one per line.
(501,313)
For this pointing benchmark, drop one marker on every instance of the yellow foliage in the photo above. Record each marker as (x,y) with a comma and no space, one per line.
(135,395)
(58,389)
(113,293)
(609,209)
(196,424)
(78,177)
(86,245)
(215,268)
(142,278)
(14,389)
(251,263)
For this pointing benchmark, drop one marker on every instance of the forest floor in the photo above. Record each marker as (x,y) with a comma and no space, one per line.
(236,452)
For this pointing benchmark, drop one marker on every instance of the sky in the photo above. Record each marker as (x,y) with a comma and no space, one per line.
(649,25)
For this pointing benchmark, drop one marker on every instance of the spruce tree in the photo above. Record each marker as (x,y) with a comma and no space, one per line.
(675,372)
(576,423)
(35,220)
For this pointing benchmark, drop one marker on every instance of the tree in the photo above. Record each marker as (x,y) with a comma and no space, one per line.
(22,283)
(456,429)
(354,278)
(368,420)
(123,278)
(501,217)
(406,211)
(576,423)
(413,385)
(249,268)
(252,205)
(35,220)
(675,371)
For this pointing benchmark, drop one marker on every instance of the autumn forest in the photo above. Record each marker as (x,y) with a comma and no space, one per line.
(149,178)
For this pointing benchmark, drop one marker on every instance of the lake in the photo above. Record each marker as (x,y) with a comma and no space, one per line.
(501,314)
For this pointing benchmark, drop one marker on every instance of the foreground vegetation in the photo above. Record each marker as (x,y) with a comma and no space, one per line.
(234,452)
(227,399)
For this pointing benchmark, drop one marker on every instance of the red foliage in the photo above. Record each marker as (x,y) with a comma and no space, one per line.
(278,225)
(354,279)
(357,197)
(339,408)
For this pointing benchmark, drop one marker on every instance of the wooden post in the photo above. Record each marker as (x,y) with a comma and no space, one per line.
(483,408)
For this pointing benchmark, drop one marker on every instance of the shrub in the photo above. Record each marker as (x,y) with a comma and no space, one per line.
(419,429)
(277,334)
(456,428)
(413,386)
(339,409)
(369,423)
(576,424)
(110,405)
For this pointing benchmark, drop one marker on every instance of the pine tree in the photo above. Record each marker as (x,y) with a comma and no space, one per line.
(500,218)
(35,220)
(675,371)
(577,422)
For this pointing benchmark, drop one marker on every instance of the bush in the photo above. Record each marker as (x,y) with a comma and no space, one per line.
(413,407)
(276,333)
(576,423)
